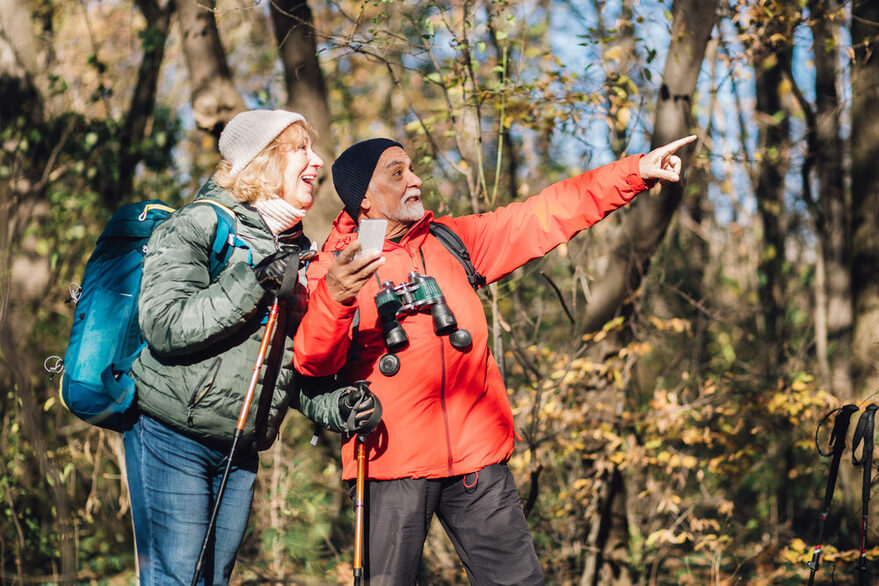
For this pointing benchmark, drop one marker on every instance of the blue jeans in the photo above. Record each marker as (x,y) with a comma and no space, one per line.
(173,481)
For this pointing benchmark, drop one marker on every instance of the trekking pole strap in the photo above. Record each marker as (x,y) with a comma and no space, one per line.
(837,446)
(864,434)
(839,430)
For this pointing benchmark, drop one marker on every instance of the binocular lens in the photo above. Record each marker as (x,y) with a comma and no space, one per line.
(444,321)
(421,292)
(395,335)
(388,304)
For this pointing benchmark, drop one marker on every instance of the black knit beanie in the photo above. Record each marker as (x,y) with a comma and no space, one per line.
(353,170)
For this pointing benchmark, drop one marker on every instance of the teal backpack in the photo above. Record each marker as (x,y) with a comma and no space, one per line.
(105,338)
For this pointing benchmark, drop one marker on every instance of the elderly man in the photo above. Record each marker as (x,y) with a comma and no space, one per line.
(447,426)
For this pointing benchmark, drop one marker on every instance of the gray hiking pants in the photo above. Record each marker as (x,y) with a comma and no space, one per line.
(480,512)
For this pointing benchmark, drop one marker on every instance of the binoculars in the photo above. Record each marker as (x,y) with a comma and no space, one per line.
(419,293)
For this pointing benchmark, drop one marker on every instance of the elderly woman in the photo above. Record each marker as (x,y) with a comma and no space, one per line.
(203,336)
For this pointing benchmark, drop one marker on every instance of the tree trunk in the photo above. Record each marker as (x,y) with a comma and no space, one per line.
(835,205)
(647,218)
(645,224)
(22,107)
(618,78)
(773,146)
(613,542)
(143,101)
(18,64)
(865,196)
(772,67)
(696,248)
(214,97)
(293,24)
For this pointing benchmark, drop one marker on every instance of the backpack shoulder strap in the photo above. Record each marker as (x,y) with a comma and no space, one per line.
(455,245)
(225,238)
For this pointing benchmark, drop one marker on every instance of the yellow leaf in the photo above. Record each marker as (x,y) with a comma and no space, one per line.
(614,52)
(622,120)
(778,38)
(799,386)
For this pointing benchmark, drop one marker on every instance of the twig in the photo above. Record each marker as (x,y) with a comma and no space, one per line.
(559,295)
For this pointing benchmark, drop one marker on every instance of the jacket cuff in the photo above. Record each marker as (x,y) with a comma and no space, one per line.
(633,175)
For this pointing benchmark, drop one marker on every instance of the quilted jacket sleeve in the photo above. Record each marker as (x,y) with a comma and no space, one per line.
(319,402)
(181,311)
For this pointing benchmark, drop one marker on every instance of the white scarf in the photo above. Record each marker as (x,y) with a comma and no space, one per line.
(278,214)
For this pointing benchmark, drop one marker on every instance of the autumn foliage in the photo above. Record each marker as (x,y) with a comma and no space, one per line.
(667,369)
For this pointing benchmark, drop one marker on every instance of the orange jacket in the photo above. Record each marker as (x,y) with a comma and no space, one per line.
(446,411)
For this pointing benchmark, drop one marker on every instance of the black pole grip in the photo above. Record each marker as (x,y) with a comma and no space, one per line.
(837,445)
(864,436)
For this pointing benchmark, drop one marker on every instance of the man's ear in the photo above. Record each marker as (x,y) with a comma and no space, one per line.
(365,204)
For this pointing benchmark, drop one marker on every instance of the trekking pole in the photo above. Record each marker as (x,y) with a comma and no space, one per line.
(864,433)
(239,429)
(360,486)
(359,508)
(837,445)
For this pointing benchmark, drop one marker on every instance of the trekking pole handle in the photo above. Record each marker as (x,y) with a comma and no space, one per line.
(839,430)
(864,434)
(257,367)
(837,445)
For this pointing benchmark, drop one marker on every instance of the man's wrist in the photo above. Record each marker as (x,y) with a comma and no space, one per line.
(325,295)
(340,298)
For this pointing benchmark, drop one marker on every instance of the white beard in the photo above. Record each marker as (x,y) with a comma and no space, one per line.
(411,212)
(407,213)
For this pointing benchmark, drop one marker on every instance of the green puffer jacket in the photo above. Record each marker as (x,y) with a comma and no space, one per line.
(203,337)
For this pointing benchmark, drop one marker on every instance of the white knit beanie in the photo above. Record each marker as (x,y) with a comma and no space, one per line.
(248,133)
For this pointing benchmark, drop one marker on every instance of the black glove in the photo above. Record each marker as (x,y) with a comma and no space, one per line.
(277,273)
(360,409)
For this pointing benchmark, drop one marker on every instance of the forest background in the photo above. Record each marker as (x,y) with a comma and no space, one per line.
(667,369)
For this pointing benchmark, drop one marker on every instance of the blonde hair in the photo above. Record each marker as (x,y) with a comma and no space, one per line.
(264,175)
